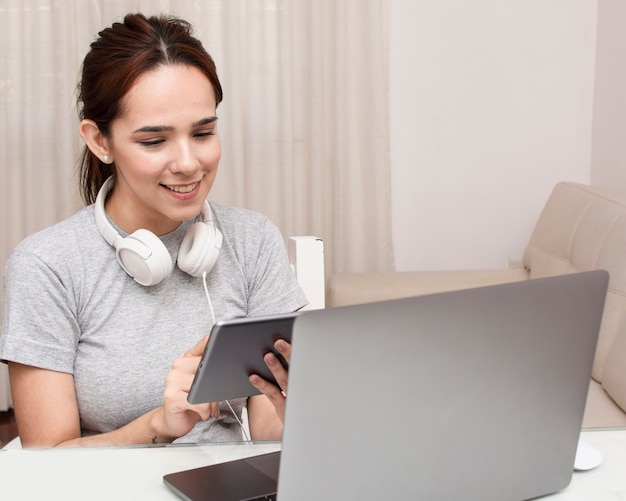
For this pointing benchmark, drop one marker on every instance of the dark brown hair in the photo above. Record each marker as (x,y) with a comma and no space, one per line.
(120,55)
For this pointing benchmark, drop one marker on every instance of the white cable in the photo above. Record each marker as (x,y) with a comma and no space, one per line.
(208,297)
(243,428)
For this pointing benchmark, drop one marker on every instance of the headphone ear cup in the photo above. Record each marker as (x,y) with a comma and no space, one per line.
(144,257)
(199,249)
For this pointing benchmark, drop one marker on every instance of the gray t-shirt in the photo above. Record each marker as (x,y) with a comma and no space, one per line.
(70,307)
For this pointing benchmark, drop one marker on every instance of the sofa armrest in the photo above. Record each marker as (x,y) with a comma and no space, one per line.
(355,288)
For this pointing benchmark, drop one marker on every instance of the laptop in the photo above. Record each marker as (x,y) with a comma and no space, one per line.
(473,394)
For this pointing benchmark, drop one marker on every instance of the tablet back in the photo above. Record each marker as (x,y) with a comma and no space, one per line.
(234,351)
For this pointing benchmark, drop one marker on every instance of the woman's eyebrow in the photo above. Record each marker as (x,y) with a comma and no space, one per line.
(205,121)
(168,128)
(154,128)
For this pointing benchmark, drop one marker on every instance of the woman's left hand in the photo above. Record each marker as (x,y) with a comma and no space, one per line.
(276,394)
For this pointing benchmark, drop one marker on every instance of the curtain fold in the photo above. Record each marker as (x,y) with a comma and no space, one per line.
(304,122)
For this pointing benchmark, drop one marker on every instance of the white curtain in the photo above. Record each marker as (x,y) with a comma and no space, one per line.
(304,121)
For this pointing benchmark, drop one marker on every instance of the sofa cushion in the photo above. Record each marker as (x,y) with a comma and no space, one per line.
(356,288)
(614,378)
(601,411)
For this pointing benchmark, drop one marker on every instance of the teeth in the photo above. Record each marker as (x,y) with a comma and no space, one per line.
(183,189)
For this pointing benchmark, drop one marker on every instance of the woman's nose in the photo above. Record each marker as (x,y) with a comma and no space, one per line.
(185,161)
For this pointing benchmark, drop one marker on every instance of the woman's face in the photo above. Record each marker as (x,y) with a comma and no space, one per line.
(165,148)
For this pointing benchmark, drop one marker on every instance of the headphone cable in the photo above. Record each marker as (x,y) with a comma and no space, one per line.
(208,297)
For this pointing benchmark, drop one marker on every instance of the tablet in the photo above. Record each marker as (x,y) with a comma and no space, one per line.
(234,351)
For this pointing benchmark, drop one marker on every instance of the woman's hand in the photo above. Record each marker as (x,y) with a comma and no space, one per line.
(179,416)
(276,394)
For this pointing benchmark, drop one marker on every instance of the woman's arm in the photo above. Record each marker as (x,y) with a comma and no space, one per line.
(46,410)
(45,405)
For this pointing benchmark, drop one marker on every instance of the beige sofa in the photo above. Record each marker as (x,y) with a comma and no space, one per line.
(581,228)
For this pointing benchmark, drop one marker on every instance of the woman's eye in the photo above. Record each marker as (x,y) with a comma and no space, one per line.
(152,142)
(205,133)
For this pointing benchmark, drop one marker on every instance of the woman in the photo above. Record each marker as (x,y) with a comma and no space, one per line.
(95,313)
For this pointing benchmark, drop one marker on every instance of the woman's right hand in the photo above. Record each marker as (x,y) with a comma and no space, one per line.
(179,416)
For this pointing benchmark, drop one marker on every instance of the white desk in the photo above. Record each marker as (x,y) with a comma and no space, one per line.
(102,473)
(136,473)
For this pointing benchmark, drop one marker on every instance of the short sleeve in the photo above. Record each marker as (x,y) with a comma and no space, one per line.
(39,324)
(273,286)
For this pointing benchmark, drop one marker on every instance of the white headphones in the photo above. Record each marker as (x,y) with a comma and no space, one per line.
(144,256)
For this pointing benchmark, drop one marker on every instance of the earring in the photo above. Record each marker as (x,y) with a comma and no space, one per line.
(106,159)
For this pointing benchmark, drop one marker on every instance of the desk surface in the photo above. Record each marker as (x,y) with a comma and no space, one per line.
(136,473)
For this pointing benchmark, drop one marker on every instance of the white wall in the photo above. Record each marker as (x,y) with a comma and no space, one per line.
(609,127)
(491,105)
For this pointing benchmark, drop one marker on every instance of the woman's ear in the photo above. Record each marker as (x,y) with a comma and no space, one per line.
(97,142)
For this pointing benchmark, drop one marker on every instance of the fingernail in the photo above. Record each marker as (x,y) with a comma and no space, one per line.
(270,359)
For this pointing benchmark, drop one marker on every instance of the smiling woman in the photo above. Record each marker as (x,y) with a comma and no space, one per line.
(164,146)
(304,126)
(126,75)
(97,360)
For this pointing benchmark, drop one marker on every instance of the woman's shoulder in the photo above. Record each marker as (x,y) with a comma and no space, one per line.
(77,228)
(235,214)
(234,219)
(245,227)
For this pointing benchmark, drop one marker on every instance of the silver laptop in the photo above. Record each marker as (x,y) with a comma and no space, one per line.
(475,394)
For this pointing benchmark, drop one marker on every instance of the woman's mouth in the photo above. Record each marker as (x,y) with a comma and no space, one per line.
(188,188)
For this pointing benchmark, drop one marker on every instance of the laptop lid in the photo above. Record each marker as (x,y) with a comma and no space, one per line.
(474,394)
